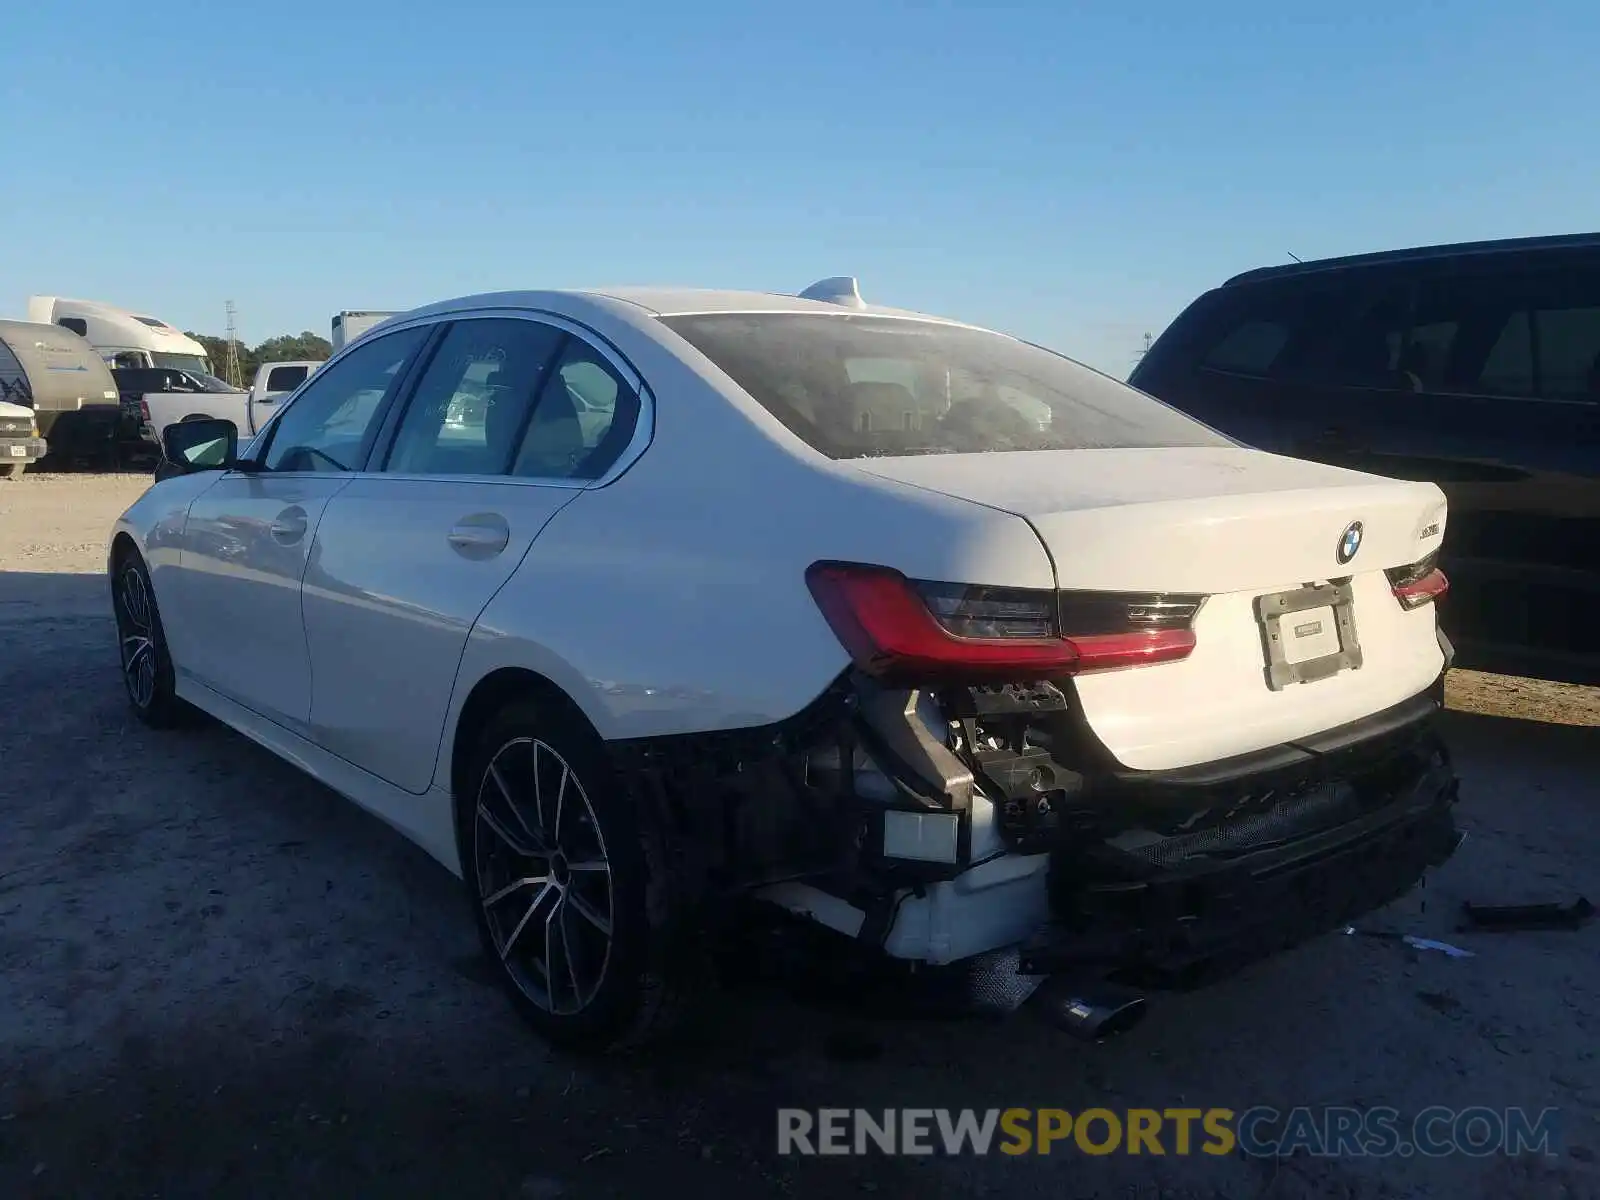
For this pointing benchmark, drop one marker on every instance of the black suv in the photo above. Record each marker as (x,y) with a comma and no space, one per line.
(1476,366)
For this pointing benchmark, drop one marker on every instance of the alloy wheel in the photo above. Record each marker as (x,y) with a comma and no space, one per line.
(138,637)
(543,876)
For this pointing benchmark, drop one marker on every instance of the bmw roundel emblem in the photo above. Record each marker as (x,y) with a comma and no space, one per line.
(1349,542)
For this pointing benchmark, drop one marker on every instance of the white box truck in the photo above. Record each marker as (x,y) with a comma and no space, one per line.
(351,324)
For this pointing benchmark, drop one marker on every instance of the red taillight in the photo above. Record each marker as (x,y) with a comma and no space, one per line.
(1108,651)
(1420,591)
(1417,583)
(909,631)
(144,410)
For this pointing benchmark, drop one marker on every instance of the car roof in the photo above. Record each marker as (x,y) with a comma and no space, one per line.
(681,301)
(1569,241)
(659,302)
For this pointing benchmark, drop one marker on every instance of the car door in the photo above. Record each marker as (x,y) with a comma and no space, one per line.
(238,627)
(486,450)
(1513,398)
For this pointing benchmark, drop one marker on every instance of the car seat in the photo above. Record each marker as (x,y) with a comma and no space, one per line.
(554,443)
(885,405)
(501,416)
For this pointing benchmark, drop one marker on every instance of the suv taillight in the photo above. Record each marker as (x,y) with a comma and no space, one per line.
(1418,583)
(912,631)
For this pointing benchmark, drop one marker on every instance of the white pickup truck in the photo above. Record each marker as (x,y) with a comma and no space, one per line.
(249,410)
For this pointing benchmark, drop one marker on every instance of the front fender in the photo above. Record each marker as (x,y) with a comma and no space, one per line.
(155,524)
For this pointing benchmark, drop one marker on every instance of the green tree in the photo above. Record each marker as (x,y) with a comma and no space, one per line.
(286,347)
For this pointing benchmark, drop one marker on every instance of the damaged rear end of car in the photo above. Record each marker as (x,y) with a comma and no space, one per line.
(949,803)
(1211,738)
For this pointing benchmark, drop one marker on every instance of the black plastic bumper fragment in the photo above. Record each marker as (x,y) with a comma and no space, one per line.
(1179,928)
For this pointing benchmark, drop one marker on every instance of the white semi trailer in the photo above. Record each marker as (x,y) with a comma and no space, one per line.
(351,324)
(122,337)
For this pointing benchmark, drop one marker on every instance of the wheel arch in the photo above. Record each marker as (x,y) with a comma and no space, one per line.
(123,545)
(500,687)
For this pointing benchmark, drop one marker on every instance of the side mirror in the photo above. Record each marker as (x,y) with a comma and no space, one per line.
(209,444)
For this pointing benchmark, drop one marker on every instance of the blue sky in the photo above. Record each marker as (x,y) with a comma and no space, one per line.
(1073,173)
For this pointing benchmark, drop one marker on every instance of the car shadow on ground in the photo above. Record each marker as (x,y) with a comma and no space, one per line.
(216,976)
(44,596)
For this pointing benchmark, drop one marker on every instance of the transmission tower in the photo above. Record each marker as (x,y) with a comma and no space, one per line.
(235,375)
(1144,348)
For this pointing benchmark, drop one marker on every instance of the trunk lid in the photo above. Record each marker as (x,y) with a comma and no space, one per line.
(1235,525)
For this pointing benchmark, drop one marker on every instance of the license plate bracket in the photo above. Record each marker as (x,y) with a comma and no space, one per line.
(1277,609)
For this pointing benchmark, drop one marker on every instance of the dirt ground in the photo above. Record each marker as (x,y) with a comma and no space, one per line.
(219,979)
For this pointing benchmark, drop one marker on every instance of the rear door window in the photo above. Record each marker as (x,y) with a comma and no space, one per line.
(1568,354)
(473,401)
(584,419)
(286,379)
(1508,368)
(1532,334)
(1367,349)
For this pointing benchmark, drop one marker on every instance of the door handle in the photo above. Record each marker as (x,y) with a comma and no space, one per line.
(481,535)
(290,526)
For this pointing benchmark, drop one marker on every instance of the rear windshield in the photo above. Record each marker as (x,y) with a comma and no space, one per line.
(210,383)
(286,379)
(857,386)
(183,362)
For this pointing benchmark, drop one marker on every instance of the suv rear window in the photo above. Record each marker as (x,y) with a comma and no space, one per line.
(858,386)
(1250,348)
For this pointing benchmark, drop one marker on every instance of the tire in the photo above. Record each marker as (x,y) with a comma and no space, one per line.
(147,673)
(577,901)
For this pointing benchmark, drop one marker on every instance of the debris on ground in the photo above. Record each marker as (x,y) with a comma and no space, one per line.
(1513,918)
(1412,940)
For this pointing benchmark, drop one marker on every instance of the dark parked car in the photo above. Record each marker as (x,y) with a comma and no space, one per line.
(1475,366)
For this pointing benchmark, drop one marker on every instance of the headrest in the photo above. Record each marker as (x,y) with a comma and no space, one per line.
(870,394)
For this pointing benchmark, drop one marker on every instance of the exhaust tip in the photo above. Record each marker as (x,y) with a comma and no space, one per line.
(1091,1010)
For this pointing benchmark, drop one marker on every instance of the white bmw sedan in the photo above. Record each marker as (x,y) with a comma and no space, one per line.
(627,605)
